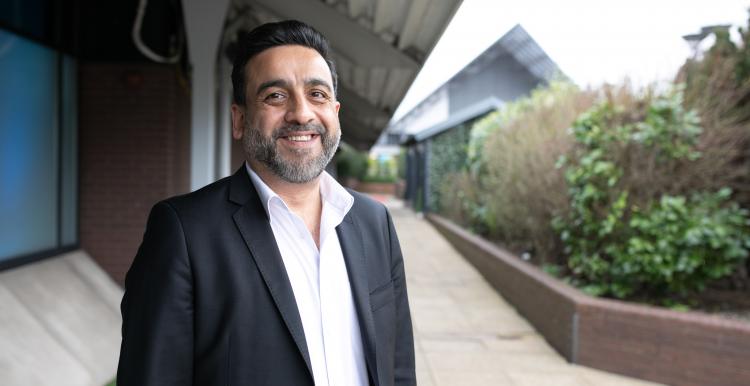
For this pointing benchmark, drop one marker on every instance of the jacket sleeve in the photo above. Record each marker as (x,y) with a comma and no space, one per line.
(404,372)
(157,308)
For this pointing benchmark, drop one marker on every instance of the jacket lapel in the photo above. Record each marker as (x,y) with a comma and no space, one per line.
(252,221)
(352,247)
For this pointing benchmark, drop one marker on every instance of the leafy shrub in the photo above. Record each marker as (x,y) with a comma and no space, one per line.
(520,188)
(717,85)
(462,202)
(381,170)
(619,241)
(351,163)
(679,245)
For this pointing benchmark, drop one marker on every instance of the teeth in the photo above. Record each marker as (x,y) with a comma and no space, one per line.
(300,138)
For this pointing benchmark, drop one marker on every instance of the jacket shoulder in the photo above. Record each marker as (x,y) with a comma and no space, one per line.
(365,203)
(202,201)
(369,210)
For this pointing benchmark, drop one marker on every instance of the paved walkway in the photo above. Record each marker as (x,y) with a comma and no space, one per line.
(468,335)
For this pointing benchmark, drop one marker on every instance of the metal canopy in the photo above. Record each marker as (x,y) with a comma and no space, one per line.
(379,47)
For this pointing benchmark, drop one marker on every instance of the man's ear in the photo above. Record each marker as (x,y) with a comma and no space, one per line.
(238,121)
(337,107)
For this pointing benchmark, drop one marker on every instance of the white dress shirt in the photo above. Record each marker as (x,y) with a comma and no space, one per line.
(320,283)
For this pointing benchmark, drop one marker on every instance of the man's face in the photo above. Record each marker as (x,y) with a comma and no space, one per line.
(290,122)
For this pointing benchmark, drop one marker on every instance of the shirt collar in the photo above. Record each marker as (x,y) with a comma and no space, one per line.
(331,192)
(265,193)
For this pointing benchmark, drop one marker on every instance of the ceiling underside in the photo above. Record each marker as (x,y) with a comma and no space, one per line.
(379,47)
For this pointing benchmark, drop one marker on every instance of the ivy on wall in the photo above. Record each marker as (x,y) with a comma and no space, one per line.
(448,154)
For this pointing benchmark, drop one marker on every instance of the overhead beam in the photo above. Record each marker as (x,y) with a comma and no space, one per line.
(413,23)
(352,124)
(346,36)
(353,127)
(352,101)
(365,129)
(357,8)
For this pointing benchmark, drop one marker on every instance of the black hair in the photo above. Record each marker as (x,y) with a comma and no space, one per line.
(269,35)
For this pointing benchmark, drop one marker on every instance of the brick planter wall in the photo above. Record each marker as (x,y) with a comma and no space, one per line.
(133,151)
(676,348)
(376,188)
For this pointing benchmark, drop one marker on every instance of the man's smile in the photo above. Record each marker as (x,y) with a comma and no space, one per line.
(297,140)
(300,138)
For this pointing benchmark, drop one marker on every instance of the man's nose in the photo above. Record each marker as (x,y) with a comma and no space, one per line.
(300,111)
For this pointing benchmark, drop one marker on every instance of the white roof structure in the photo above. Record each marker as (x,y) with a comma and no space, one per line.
(515,46)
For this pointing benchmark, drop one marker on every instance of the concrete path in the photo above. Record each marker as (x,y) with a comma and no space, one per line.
(468,335)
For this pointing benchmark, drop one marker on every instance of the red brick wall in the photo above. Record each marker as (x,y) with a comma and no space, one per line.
(376,188)
(675,348)
(134,140)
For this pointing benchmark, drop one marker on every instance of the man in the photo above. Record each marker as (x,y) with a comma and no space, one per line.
(276,275)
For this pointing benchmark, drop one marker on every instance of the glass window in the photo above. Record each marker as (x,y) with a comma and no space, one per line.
(29,146)
(69,157)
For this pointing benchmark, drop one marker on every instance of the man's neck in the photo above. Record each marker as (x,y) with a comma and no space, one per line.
(303,199)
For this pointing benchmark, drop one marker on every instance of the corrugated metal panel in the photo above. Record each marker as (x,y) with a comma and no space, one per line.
(526,51)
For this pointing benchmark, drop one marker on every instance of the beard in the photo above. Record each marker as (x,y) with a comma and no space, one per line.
(304,166)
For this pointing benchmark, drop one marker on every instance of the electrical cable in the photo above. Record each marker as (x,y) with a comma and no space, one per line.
(141,46)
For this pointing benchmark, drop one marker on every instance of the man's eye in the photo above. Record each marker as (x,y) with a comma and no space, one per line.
(274,97)
(318,94)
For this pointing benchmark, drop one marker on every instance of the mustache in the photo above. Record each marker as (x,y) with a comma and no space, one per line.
(287,130)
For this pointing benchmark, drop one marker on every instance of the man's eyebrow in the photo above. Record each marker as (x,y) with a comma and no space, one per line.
(272,83)
(317,82)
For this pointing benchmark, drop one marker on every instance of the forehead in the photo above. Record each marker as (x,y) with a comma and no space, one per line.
(288,62)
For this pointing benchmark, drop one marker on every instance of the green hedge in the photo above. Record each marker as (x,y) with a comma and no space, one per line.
(671,245)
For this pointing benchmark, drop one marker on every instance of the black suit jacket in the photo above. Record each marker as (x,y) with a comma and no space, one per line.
(208,301)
